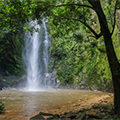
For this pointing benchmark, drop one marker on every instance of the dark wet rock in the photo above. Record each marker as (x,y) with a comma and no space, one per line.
(1,84)
(81,115)
(37,117)
(9,81)
(65,116)
(54,117)
(93,116)
(53,81)
(46,114)
(41,116)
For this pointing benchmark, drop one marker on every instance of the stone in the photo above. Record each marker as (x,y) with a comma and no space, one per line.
(37,117)
(86,98)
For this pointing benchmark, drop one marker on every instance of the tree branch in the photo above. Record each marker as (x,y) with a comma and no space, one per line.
(114,17)
(97,36)
(80,5)
(72,4)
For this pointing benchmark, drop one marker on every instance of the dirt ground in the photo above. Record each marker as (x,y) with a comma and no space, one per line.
(88,108)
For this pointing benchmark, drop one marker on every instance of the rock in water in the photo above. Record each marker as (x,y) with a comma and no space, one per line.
(37,117)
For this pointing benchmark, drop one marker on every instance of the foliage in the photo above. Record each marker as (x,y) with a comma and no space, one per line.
(66,54)
(10,50)
(72,50)
(90,58)
(2,107)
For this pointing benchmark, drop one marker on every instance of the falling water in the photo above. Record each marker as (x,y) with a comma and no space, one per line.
(45,54)
(35,56)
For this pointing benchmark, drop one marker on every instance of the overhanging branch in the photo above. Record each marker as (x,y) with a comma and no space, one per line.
(114,17)
(72,4)
(97,36)
(80,5)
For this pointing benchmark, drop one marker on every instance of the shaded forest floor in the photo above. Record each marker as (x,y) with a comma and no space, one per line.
(97,107)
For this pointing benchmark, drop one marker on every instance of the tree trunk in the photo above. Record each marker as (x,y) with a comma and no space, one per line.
(112,59)
(115,70)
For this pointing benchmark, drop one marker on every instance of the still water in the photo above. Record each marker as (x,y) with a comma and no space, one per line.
(21,105)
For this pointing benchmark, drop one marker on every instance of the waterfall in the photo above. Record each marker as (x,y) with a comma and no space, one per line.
(35,56)
(45,54)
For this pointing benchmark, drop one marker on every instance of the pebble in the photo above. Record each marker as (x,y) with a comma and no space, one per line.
(98,111)
(86,98)
(103,113)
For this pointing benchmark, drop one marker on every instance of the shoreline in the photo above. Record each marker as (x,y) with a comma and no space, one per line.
(98,106)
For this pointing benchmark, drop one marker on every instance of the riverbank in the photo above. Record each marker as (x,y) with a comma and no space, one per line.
(86,108)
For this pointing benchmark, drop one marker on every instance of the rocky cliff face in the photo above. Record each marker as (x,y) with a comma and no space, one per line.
(9,81)
(53,81)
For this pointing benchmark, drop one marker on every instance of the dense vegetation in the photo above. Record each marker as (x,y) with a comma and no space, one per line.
(81,32)
(75,54)
(10,50)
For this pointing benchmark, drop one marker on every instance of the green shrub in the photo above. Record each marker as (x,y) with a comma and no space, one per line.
(2,107)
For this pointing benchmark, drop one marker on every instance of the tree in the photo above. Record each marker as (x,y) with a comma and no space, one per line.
(69,11)
(112,59)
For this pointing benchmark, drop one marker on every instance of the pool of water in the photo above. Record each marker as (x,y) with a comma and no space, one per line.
(21,105)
